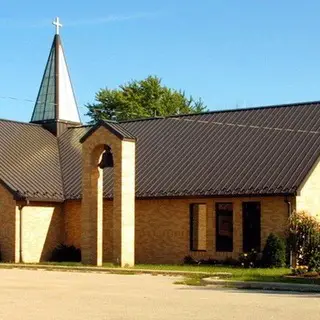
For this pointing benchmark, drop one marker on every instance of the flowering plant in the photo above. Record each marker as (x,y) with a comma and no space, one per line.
(250,260)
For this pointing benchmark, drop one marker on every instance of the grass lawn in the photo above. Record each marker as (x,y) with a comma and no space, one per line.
(254,274)
(199,272)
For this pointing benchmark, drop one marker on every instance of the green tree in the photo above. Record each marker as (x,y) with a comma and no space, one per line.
(141,99)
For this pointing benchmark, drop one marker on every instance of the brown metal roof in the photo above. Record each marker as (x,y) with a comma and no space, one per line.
(30,165)
(259,151)
(240,152)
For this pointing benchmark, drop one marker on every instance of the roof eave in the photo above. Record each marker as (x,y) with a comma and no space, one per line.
(197,196)
(33,199)
(7,186)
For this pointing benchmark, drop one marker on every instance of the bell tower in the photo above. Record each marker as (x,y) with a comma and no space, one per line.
(56,106)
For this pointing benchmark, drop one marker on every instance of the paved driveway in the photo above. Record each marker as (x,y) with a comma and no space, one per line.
(40,294)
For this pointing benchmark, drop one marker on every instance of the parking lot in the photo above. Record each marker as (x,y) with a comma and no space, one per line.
(39,294)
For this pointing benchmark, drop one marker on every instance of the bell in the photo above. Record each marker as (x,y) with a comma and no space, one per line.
(107,159)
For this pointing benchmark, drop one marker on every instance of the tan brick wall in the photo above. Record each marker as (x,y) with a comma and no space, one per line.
(42,230)
(9,246)
(72,222)
(162,227)
(72,215)
(308,198)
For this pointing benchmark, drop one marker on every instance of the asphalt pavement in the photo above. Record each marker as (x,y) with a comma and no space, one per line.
(39,294)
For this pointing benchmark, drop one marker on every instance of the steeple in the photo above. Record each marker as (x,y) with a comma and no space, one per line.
(56,106)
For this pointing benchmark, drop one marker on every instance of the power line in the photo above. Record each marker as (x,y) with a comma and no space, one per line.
(31,101)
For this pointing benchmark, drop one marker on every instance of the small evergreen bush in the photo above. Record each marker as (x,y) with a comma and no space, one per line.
(64,253)
(274,252)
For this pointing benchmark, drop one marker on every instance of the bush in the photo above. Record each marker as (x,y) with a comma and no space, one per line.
(64,253)
(251,259)
(304,239)
(210,262)
(274,252)
(190,260)
(314,261)
(230,262)
(300,270)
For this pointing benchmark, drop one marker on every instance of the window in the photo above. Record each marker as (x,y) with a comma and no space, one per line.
(198,227)
(251,226)
(224,227)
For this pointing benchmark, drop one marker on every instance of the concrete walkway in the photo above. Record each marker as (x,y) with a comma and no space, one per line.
(36,294)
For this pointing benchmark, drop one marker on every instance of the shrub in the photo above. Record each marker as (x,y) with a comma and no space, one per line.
(190,260)
(274,252)
(230,262)
(251,259)
(64,253)
(300,270)
(210,262)
(304,239)
(314,261)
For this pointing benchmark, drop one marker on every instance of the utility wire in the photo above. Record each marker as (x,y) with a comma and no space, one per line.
(31,101)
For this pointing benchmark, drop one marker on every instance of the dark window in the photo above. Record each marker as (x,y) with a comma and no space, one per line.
(251,220)
(224,227)
(198,227)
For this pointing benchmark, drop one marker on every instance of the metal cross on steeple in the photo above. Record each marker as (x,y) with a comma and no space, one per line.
(57,24)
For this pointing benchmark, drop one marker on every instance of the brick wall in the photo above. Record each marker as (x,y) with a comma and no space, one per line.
(42,231)
(9,232)
(72,222)
(308,198)
(72,218)
(162,227)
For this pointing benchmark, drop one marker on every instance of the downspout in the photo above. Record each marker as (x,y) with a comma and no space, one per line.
(289,204)
(20,229)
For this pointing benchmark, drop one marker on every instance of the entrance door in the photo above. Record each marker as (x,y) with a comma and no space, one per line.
(251,216)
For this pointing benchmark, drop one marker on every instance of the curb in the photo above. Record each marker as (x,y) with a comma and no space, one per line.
(275,286)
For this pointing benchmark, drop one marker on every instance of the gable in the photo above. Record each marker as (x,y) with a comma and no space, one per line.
(29,159)
(308,197)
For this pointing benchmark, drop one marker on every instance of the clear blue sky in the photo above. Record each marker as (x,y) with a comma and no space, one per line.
(229,53)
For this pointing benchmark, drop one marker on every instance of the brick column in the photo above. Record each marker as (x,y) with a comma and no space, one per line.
(123,234)
(92,211)
(124,206)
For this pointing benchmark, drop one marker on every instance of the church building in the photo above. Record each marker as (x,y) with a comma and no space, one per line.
(209,185)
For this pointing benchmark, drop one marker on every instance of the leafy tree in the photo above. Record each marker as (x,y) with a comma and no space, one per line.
(141,99)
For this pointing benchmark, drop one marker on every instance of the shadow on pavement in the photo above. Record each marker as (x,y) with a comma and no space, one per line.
(255,291)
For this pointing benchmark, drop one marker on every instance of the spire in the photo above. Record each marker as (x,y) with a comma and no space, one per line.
(56,101)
